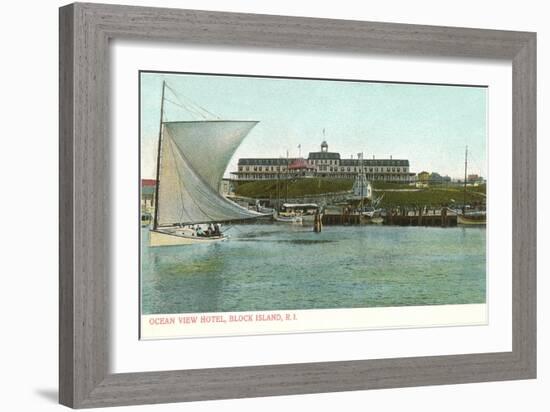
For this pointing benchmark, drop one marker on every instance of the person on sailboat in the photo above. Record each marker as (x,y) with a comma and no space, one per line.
(210,230)
(199,231)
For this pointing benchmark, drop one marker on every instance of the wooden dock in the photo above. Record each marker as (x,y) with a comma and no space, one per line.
(416,218)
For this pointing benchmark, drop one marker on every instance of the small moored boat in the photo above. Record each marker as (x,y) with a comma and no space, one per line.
(284,217)
(469,217)
(472,218)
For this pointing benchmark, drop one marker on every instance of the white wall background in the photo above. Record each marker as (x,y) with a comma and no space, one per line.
(28,205)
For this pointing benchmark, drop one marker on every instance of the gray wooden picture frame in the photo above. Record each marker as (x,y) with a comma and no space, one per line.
(85,32)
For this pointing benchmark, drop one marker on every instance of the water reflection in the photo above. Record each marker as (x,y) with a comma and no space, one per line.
(268,267)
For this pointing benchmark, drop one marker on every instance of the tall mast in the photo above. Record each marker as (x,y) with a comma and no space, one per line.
(157,183)
(278,194)
(360,156)
(465,177)
(287,173)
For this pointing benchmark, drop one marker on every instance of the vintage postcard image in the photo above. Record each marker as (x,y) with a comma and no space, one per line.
(277,205)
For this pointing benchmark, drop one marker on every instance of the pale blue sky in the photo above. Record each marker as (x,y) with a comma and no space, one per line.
(429,125)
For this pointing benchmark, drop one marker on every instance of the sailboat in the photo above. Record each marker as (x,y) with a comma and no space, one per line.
(191,160)
(361,192)
(469,217)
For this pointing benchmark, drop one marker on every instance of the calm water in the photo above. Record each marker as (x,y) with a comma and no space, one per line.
(271,267)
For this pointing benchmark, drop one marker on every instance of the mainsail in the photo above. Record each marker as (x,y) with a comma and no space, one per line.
(194,156)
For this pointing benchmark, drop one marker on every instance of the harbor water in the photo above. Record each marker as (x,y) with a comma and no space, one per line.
(286,267)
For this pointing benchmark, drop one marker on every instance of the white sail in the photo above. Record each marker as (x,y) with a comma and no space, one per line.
(194,156)
(361,187)
(209,145)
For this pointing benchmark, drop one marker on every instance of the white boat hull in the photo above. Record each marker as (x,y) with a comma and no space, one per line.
(160,238)
(469,221)
(297,220)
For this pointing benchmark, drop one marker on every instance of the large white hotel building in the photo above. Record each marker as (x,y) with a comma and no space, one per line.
(324,164)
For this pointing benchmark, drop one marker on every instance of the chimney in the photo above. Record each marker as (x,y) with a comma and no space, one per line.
(390,157)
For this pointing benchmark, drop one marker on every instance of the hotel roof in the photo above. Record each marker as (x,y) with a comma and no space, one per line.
(323,155)
(375,162)
(275,161)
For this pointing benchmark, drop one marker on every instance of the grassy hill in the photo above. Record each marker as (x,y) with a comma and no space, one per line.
(296,188)
(435,195)
(394,194)
(430,197)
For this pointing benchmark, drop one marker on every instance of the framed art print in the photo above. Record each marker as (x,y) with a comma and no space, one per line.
(266,205)
(241,233)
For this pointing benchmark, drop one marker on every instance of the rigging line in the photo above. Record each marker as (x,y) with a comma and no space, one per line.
(195,108)
(209,112)
(474,161)
(192,102)
(184,105)
(188,109)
